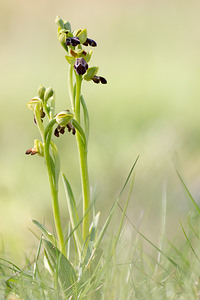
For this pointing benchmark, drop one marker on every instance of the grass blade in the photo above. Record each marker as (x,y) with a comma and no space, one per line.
(103,230)
(45,232)
(188,193)
(190,243)
(123,215)
(149,242)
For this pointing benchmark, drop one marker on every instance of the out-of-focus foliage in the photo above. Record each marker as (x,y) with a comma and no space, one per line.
(149,51)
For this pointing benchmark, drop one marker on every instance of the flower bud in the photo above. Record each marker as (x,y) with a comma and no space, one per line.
(59,22)
(37,149)
(41,91)
(80,66)
(67,26)
(38,146)
(48,93)
(33,102)
(62,37)
(64,117)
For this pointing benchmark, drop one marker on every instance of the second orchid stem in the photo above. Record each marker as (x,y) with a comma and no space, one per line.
(82,149)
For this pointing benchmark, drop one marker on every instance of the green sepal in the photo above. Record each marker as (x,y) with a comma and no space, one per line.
(70,59)
(62,37)
(65,46)
(38,119)
(51,107)
(67,26)
(33,103)
(91,72)
(88,56)
(59,22)
(82,35)
(78,54)
(39,147)
(76,32)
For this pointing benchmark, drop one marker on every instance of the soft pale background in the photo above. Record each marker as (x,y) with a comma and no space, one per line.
(149,51)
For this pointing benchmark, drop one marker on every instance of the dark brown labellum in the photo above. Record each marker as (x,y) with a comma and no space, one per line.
(56,132)
(90,42)
(96,79)
(103,80)
(28,151)
(62,130)
(72,41)
(80,66)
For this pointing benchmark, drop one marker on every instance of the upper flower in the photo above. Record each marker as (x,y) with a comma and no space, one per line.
(73,42)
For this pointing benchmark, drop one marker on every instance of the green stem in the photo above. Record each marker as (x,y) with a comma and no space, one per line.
(82,149)
(71,89)
(54,194)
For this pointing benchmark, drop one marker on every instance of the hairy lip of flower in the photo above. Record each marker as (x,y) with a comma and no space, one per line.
(80,66)
(73,41)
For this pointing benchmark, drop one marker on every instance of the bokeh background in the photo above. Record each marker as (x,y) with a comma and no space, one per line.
(149,51)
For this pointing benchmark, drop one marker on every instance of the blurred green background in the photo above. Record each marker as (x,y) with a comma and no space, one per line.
(149,52)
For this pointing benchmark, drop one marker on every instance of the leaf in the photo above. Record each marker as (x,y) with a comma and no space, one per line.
(70,59)
(60,264)
(35,266)
(82,35)
(48,128)
(56,164)
(45,232)
(73,213)
(149,242)
(80,131)
(86,118)
(90,247)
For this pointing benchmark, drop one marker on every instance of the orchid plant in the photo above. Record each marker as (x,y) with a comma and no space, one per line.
(51,124)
